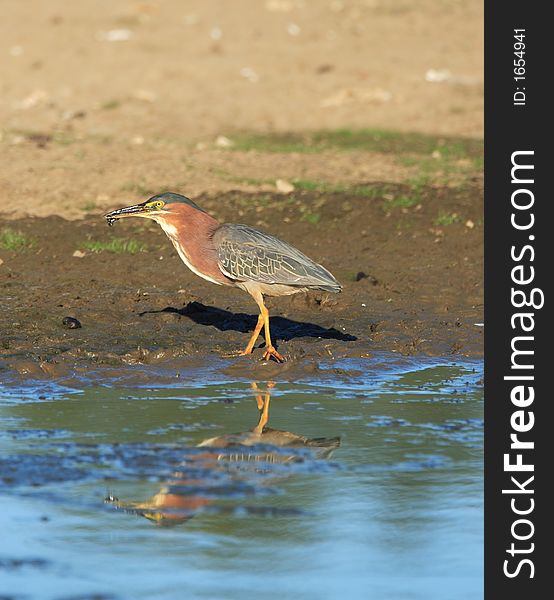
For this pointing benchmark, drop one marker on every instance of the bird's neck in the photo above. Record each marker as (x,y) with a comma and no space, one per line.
(191,234)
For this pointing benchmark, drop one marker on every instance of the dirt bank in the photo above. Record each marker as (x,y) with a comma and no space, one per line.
(412,284)
(371,109)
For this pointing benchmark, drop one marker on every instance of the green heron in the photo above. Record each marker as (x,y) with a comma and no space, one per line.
(234,255)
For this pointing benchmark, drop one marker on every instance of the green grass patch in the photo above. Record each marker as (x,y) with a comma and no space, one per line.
(371,191)
(447,219)
(324,187)
(312,218)
(448,164)
(479,163)
(14,240)
(115,246)
(313,186)
(248,180)
(374,140)
(419,182)
(414,196)
(89,206)
(400,202)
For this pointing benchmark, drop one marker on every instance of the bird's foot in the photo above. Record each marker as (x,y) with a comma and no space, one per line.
(272,353)
(236,353)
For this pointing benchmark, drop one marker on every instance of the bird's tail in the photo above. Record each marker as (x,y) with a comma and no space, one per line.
(335,288)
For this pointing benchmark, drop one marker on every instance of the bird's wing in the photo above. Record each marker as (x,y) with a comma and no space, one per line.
(246,254)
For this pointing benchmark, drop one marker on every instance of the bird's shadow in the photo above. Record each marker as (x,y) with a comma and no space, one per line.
(224,320)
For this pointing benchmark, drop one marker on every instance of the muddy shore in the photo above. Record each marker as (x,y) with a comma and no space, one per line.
(410,286)
(373,111)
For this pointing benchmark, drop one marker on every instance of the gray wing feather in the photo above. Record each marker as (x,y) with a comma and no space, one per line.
(246,254)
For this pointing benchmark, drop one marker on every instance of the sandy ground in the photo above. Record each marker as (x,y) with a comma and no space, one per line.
(103,104)
(95,96)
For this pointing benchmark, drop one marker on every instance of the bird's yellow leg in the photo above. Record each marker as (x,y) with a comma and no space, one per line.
(255,334)
(252,341)
(270,351)
(263,321)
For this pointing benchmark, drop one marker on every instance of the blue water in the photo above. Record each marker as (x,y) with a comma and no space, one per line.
(367,484)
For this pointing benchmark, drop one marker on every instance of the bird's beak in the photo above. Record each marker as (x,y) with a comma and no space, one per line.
(137,210)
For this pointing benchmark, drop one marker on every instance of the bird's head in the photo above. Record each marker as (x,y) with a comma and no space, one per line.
(158,208)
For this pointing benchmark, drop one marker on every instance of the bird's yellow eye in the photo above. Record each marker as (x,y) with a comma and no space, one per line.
(158,204)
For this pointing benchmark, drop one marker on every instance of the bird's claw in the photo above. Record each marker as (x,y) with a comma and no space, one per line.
(269,354)
(235,353)
(272,353)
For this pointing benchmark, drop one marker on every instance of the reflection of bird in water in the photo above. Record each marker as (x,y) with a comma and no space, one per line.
(233,255)
(261,434)
(237,455)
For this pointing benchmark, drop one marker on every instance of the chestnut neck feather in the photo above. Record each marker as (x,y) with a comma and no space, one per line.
(191,233)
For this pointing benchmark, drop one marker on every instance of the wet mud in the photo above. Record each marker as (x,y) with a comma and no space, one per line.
(410,286)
